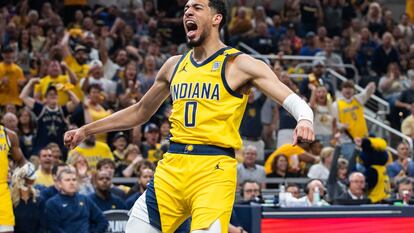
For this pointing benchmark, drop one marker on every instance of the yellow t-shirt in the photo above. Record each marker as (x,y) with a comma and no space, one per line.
(81,72)
(9,92)
(43,179)
(46,81)
(352,113)
(93,155)
(287,149)
(97,115)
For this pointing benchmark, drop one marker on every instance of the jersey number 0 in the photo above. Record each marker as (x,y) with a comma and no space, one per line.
(190,114)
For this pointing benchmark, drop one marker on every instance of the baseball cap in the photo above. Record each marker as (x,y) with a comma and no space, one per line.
(120,135)
(310,34)
(7,49)
(81,47)
(151,127)
(318,62)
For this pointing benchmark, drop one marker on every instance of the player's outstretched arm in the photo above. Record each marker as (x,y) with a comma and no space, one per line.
(136,114)
(258,74)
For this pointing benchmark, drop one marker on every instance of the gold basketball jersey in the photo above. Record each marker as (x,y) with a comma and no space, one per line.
(4,152)
(205,109)
(353,114)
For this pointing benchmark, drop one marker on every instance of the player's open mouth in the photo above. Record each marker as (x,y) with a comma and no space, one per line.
(191,28)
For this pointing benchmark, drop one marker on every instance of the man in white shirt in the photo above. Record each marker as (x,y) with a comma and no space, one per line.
(321,170)
(96,77)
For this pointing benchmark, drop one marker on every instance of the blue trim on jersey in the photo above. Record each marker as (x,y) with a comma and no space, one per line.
(212,57)
(223,76)
(177,65)
(152,206)
(179,148)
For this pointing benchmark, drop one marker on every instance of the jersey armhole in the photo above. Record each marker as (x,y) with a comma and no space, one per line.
(176,67)
(7,138)
(223,75)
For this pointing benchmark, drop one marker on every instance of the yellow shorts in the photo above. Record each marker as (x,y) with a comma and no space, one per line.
(200,183)
(6,207)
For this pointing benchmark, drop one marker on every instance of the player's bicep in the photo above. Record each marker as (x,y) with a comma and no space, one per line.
(263,78)
(15,150)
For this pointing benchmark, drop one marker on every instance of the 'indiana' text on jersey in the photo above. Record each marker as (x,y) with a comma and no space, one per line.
(205,109)
(4,152)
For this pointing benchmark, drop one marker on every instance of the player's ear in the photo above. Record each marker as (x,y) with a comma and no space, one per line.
(217,18)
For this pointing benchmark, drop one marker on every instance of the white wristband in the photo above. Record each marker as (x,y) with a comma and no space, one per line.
(299,109)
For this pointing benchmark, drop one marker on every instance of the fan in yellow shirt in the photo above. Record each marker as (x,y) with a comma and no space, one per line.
(11,78)
(93,151)
(295,154)
(56,78)
(44,172)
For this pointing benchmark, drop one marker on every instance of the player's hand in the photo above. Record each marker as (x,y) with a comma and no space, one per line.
(72,138)
(303,132)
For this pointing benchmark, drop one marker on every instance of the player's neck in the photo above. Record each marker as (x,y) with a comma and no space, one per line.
(208,48)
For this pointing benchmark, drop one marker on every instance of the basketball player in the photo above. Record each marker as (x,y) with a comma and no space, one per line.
(209,88)
(9,143)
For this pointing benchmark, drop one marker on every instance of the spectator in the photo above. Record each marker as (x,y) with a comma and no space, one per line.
(54,77)
(366,50)
(77,62)
(306,201)
(108,166)
(150,148)
(51,191)
(404,190)
(312,13)
(249,170)
(103,196)
(321,170)
(96,76)
(132,157)
(406,99)
(261,17)
(250,192)
(119,143)
(407,126)
(44,172)
(11,78)
(356,190)
(165,127)
(239,26)
(262,41)
(403,166)
(349,112)
(393,83)
(406,28)
(69,211)
(56,153)
(147,76)
(94,110)
(130,88)
(309,48)
(324,121)
(295,41)
(10,121)
(333,14)
(317,78)
(27,131)
(27,205)
(139,188)
(280,168)
(294,190)
(83,173)
(332,60)
(51,118)
(251,127)
(374,19)
(277,31)
(93,151)
(295,155)
(385,54)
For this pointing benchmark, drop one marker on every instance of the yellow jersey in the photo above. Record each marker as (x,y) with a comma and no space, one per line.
(4,153)
(93,154)
(9,90)
(382,189)
(352,113)
(205,109)
(97,114)
(81,72)
(46,81)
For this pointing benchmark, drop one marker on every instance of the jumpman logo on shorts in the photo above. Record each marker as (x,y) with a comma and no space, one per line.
(218,167)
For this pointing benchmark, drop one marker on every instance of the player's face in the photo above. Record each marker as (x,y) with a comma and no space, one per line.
(68,184)
(197,21)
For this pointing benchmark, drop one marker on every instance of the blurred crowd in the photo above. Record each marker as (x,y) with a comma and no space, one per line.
(67,63)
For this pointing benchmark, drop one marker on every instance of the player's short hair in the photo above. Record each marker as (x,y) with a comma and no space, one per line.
(220,7)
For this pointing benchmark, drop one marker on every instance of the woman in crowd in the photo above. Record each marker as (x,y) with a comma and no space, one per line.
(27,130)
(280,168)
(132,157)
(81,166)
(27,204)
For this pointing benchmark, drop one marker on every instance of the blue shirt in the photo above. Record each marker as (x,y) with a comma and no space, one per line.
(74,214)
(394,168)
(48,192)
(112,203)
(28,216)
(132,199)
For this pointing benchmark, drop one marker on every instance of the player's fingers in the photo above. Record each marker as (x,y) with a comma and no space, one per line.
(295,139)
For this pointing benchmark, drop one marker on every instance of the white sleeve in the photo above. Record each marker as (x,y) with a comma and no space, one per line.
(299,109)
